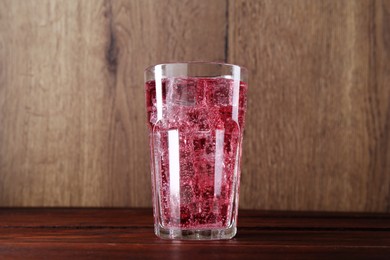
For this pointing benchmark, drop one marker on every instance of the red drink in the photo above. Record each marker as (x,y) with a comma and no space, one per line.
(195,135)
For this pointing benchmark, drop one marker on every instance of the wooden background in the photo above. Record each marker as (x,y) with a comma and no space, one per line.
(72,120)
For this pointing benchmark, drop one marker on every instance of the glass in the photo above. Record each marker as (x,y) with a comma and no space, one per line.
(196,113)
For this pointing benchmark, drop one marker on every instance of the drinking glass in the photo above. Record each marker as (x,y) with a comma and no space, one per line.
(195,115)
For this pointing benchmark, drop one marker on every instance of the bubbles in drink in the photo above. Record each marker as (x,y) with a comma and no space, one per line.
(196,144)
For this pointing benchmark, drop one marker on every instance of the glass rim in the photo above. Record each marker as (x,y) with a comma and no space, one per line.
(151,67)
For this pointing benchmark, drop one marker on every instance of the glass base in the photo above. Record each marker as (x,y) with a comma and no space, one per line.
(194,234)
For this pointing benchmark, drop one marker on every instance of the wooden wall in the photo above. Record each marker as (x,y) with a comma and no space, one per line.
(72,119)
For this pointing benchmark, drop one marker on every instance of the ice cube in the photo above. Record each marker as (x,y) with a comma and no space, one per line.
(153,115)
(182,92)
(200,92)
(222,93)
(199,118)
(205,168)
(199,143)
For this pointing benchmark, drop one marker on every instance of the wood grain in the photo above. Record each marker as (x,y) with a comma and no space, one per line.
(143,217)
(128,233)
(378,110)
(73,130)
(72,120)
(318,118)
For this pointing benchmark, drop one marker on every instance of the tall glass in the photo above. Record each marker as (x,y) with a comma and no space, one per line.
(196,113)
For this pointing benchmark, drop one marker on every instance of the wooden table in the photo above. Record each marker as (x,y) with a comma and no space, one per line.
(44,233)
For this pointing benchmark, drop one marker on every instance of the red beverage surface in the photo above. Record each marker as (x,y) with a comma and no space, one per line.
(196,147)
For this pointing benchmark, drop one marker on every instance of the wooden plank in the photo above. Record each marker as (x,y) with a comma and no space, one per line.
(318,118)
(180,251)
(378,108)
(245,237)
(93,233)
(73,130)
(143,218)
(54,103)
(147,33)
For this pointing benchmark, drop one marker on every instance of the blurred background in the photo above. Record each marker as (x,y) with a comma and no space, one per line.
(72,115)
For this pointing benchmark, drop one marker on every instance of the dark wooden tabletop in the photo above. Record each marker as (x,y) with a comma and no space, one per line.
(44,233)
